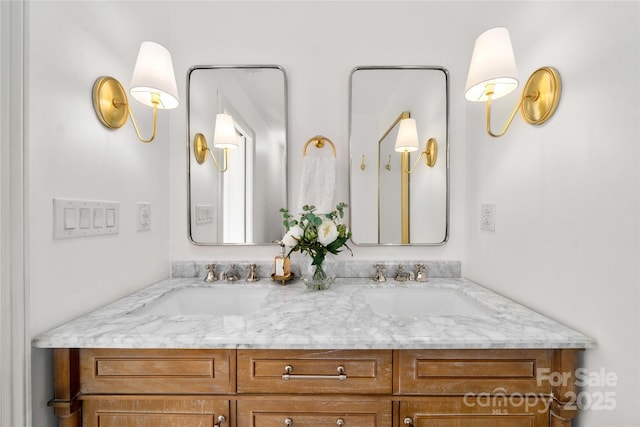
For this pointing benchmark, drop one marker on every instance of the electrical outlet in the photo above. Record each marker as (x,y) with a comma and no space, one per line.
(144,216)
(488,216)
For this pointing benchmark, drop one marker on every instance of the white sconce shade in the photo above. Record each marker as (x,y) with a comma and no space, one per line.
(407,139)
(492,62)
(225,135)
(153,74)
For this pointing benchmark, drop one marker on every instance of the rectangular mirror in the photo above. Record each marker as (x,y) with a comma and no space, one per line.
(399,149)
(237,151)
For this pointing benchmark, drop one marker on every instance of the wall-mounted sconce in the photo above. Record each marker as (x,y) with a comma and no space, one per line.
(407,141)
(493,74)
(224,137)
(153,84)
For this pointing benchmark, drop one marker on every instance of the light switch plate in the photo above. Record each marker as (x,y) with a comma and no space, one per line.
(81,218)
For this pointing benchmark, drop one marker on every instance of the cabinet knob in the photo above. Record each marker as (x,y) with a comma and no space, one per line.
(288,421)
(339,422)
(408,422)
(221,419)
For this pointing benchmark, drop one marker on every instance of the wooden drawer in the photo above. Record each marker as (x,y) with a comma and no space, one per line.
(473,371)
(155,371)
(298,412)
(301,371)
(139,411)
(469,411)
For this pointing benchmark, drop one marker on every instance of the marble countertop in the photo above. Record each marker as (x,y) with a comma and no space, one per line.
(292,317)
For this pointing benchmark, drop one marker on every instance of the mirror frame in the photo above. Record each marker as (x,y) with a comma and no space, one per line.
(441,150)
(190,148)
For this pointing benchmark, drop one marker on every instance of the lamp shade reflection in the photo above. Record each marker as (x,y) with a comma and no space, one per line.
(407,139)
(225,132)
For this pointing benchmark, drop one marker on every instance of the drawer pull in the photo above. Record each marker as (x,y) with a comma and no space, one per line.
(408,422)
(289,376)
(221,419)
(288,421)
(339,422)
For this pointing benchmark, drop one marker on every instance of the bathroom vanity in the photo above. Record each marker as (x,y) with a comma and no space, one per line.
(329,358)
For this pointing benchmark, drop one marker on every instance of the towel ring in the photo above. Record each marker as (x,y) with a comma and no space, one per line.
(318,141)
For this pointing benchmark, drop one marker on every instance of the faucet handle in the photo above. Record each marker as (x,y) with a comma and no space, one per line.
(421,276)
(211,275)
(379,277)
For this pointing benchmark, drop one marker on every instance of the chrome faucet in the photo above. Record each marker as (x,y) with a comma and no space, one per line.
(211,275)
(253,275)
(421,275)
(379,277)
(402,275)
(232,275)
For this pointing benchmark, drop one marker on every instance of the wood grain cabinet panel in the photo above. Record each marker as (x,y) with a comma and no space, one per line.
(145,412)
(301,371)
(475,411)
(155,371)
(473,371)
(318,412)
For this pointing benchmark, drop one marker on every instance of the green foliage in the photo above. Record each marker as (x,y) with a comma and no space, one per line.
(309,228)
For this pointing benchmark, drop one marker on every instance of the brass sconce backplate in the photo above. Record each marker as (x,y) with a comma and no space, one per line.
(541,96)
(110,102)
(431,152)
(200,148)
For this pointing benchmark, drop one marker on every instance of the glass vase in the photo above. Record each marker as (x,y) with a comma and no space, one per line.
(317,277)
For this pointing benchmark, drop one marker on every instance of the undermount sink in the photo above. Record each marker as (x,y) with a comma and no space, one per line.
(210,301)
(426,302)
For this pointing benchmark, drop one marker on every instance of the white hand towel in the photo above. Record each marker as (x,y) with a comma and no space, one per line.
(317,183)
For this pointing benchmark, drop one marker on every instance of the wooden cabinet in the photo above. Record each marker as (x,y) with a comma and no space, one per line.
(269,388)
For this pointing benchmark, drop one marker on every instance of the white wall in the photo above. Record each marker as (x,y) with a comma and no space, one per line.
(318,44)
(566,240)
(71,155)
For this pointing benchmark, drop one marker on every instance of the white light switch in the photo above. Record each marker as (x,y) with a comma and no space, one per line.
(78,218)
(85,218)
(69,218)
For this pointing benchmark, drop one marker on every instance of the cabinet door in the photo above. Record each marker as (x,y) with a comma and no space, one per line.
(133,411)
(314,412)
(476,411)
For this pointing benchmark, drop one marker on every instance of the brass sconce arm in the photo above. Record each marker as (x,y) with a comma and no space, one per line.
(112,106)
(538,102)
(155,101)
(430,155)
(489,92)
(200,150)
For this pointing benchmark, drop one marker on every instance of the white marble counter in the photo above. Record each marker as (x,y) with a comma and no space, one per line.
(291,317)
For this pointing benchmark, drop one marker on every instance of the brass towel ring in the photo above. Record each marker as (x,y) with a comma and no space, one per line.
(319,141)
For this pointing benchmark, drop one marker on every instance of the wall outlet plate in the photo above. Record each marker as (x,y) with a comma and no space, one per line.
(144,216)
(488,216)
